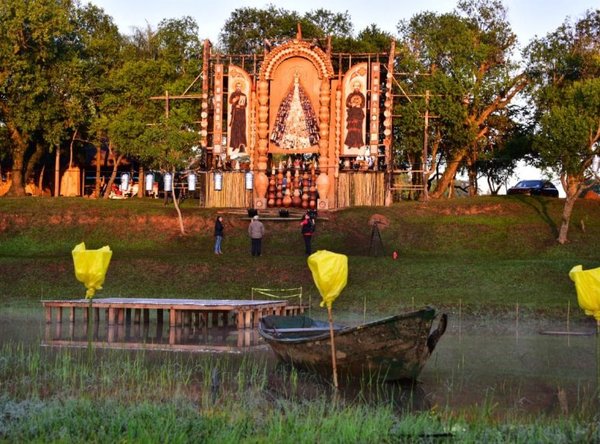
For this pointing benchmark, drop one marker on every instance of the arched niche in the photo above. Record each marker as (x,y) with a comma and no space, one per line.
(294,58)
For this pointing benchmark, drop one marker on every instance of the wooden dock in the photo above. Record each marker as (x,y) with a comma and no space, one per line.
(182,312)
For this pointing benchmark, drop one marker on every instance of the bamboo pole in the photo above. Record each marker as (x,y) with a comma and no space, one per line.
(332,338)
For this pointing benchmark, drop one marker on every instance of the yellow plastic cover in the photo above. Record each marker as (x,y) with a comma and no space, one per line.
(587,284)
(91,266)
(330,273)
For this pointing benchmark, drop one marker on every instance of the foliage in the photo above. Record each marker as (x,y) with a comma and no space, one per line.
(566,70)
(248,30)
(139,398)
(52,55)
(467,54)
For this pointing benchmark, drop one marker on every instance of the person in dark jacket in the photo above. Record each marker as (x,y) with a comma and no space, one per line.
(218,234)
(307,227)
(256,231)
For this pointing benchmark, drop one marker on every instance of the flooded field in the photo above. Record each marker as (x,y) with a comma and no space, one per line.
(507,366)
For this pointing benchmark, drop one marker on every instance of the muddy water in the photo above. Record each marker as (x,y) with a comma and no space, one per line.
(506,366)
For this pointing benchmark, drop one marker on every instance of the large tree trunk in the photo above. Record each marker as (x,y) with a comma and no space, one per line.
(472,173)
(573,187)
(33,161)
(17,187)
(116,162)
(447,179)
(566,218)
(176,204)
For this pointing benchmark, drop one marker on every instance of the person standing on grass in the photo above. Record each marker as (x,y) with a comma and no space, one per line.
(218,234)
(307,227)
(256,231)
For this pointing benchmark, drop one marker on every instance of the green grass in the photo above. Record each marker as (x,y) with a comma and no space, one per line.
(476,252)
(73,396)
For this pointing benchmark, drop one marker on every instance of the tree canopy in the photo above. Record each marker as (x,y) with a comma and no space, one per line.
(565,69)
(67,76)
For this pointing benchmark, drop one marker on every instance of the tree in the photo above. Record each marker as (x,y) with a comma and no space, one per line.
(499,160)
(171,144)
(471,77)
(566,70)
(151,61)
(32,51)
(248,29)
(51,54)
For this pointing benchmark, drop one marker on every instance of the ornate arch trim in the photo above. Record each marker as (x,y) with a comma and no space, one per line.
(296,48)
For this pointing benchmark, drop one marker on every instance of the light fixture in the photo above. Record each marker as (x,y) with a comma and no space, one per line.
(168,182)
(218,178)
(149,182)
(191,179)
(249,180)
(124,181)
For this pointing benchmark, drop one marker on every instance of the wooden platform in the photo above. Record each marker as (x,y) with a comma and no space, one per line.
(182,312)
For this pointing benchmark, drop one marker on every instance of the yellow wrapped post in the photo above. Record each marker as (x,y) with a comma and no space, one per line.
(330,273)
(91,266)
(587,284)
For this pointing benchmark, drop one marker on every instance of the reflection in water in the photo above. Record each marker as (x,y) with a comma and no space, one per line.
(152,336)
(476,365)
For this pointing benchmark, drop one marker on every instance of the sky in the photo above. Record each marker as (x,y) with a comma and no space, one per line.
(528,18)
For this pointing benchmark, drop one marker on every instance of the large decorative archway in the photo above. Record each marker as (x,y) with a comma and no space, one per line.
(301,71)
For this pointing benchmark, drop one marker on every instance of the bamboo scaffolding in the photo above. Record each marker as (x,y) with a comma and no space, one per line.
(233,193)
(360,189)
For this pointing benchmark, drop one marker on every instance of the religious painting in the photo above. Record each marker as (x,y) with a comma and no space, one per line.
(296,126)
(355,113)
(239,86)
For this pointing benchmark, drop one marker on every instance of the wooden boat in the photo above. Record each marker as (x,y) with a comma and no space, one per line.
(390,349)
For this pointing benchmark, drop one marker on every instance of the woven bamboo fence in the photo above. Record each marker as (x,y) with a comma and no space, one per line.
(361,189)
(233,193)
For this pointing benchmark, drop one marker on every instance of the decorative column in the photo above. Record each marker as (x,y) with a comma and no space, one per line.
(218,113)
(205,86)
(338,127)
(323,181)
(260,179)
(374,114)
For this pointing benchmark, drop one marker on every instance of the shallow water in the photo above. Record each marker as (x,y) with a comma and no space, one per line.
(502,367)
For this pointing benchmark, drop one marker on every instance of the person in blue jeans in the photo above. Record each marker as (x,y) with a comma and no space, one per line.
(256,231)
(218,234)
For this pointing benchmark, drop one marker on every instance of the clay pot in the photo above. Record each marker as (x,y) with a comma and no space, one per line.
(261,182)
(323,185)
(287,199)
(297,199)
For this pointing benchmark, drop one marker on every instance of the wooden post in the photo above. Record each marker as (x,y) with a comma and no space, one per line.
(332,338)
(97,188)
(425,143)
(387,124)
(57,172)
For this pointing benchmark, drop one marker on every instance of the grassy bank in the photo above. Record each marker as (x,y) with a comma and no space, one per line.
(73,396)
(486,253)
(481,255)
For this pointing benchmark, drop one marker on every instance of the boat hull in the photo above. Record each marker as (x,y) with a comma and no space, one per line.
(391,349)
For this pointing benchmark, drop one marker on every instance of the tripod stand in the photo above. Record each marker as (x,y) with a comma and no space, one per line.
(376,245)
